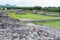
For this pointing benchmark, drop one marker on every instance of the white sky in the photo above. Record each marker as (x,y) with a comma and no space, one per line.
(43,3)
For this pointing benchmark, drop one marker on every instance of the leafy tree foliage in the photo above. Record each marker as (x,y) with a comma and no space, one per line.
(49,9)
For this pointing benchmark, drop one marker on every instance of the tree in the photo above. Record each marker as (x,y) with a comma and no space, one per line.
(37,8)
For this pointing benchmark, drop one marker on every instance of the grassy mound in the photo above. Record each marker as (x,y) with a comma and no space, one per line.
(29,15)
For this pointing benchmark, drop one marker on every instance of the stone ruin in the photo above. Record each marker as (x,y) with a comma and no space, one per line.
(20,11)
(7,24)
(36,11)
(13,29)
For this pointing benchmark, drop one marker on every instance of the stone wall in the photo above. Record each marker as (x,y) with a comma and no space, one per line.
(48,20)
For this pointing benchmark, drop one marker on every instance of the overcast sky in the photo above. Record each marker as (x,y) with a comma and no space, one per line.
(43,3)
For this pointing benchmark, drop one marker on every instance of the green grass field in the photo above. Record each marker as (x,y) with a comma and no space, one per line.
(55,24)
(30,16)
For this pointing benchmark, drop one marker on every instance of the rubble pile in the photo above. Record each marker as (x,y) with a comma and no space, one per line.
(13,29)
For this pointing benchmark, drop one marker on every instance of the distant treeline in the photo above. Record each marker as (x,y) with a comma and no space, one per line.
(49,9)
